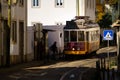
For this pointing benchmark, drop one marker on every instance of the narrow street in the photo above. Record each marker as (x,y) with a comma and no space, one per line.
(76,69)
(64,70)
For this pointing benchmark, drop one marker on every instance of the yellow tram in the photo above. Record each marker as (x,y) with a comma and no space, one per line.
(81,36)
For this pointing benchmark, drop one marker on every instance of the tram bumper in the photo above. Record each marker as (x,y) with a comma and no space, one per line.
(75,52)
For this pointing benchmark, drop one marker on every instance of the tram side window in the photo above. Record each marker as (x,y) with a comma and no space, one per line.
(81,36)
(97,35)
(87,36)
(73,35)
(66,36)
(94,35)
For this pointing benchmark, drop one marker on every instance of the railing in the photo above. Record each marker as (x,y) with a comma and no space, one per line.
(107,69)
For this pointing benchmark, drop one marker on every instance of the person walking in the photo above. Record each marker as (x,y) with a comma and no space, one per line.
(54,49)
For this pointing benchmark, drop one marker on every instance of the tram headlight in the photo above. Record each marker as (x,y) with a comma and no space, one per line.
(73,49)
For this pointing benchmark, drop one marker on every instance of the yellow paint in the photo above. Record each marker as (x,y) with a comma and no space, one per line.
(74,52)
(93,46)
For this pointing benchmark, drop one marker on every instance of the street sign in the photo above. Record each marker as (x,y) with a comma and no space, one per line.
(108,35)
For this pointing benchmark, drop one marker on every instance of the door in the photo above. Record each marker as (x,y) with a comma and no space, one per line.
(21,40)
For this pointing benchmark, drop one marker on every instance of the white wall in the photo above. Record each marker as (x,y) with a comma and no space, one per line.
(49,15)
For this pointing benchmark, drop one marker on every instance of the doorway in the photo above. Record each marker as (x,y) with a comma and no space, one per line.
(21,40)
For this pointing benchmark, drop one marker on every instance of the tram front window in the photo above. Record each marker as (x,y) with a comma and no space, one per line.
(73,35)
(66,36)
(80,35)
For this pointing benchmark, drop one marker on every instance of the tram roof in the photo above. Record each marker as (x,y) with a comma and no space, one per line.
(73,25)
(80,22)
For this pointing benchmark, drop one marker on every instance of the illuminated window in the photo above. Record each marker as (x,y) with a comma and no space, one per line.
(59,3)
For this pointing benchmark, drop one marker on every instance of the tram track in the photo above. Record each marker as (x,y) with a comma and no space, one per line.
(82,68)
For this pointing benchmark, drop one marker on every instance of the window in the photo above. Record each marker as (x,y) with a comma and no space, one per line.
(73,35)
(92,36)
(14,31)
(21,2)
(35,3)
(66,36)
(95,35)
(87,36)
(59,3)
(80,35)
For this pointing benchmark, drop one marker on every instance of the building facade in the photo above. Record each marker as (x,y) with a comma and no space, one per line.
(18,30)
(55,12)
(52,14)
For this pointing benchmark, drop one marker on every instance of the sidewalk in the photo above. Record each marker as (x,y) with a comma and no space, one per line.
(111,49)
(5,72)
(20,66)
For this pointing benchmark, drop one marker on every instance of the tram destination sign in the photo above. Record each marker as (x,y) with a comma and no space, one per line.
(108,35)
